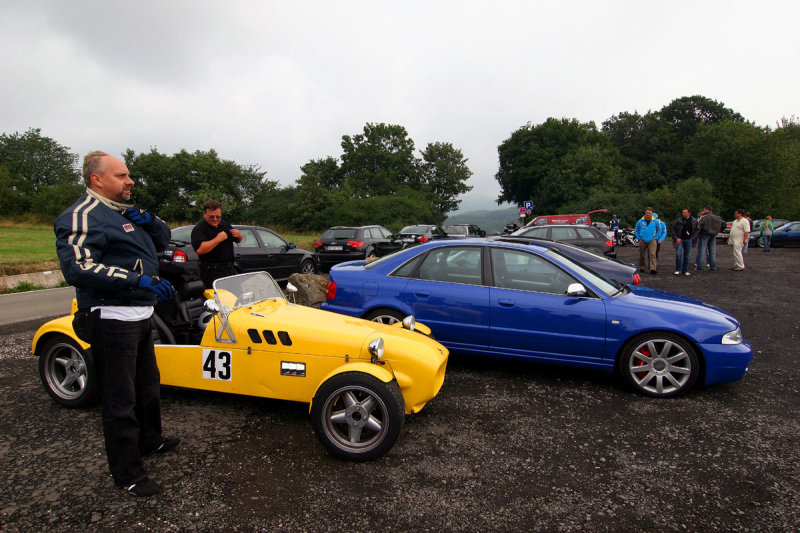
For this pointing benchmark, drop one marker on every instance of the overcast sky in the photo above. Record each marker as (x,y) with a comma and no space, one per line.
(276,84)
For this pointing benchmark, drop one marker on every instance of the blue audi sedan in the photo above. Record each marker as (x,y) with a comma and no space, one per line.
(507,299)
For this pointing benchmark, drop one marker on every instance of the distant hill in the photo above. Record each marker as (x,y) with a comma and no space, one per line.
(489,220)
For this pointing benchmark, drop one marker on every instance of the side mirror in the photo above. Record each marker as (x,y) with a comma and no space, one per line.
(210,306)
(576,289)
(292,246)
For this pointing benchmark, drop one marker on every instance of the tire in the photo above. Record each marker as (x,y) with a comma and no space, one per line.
(760,242)
(635,241)
(307,267)
(371,254)
(358,417)
(671,373)
(68,372)
(384,315)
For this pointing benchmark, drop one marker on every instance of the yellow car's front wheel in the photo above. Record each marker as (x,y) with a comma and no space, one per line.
(357,416)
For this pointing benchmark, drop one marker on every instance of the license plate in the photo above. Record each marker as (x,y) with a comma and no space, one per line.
(334,248)
(411,239)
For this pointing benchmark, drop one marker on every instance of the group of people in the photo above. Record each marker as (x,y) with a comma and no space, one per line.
(107,249)
(703,230)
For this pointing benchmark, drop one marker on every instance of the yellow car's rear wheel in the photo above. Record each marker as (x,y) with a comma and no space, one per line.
(357,416)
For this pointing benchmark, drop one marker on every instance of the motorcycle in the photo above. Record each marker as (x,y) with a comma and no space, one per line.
(627,236)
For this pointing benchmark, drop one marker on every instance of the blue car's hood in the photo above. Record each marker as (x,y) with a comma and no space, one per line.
(682,312)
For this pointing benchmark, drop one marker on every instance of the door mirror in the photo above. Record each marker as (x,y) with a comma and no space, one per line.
(576,289)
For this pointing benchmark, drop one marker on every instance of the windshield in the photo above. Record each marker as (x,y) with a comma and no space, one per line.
(244,290)
(609,287)
(456,230)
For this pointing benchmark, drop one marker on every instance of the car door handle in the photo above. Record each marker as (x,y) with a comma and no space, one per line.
(422,294)
(506,303)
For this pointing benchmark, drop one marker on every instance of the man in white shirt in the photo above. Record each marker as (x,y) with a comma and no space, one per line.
(740,233)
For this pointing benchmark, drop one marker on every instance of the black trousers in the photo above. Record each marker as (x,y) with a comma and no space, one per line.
(211,272)
(131,394)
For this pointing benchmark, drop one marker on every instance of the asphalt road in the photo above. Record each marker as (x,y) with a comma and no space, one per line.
(23,307)
(506,446)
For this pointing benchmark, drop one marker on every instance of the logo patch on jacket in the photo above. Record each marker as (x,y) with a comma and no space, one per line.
(127,227)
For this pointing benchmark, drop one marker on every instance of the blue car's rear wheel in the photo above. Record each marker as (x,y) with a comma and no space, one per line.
(385,316)
(659,364)
(357,416)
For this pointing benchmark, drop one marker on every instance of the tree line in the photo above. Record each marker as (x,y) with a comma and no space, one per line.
(692,152)
(378,179)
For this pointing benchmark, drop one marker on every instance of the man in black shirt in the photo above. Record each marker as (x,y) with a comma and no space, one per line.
(684,230)
(213,240)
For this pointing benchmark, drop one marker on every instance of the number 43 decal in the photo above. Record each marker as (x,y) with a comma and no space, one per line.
(216,365)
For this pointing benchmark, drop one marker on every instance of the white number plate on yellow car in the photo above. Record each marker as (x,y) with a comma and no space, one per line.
(216,364)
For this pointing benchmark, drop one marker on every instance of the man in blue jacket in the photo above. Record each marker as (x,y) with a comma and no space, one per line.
(647,231)
(107,250)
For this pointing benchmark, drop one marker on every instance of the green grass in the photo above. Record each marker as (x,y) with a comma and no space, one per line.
(27,248)
(31,247)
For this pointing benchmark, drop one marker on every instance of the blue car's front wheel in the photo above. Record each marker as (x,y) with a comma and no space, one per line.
(659,364)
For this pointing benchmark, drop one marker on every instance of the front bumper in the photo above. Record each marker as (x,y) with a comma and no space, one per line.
(726,362)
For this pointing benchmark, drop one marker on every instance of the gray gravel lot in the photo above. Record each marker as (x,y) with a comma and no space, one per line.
(505,446)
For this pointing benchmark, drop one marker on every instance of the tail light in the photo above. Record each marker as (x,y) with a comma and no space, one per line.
(330,294)
(636,278)
(355,244)
(179,257)
(422,238)
(319,243)
(610,244)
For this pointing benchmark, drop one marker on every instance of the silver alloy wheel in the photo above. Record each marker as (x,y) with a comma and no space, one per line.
(355,418)
(307,267)
(386,319)
(661,367)
(65,371)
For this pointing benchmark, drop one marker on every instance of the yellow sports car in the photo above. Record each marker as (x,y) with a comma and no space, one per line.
(359,377)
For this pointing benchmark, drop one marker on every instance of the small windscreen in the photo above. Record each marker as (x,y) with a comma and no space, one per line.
(340,233)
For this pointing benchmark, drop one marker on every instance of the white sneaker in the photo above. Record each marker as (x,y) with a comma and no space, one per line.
(677,272)
(686,274)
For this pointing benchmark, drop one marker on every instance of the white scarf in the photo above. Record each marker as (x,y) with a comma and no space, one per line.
(116,206)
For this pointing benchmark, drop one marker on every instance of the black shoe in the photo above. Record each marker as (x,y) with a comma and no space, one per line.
(168,444)
(653,272)
(143,488)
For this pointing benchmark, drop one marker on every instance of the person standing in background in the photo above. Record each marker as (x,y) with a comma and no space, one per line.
(740,233)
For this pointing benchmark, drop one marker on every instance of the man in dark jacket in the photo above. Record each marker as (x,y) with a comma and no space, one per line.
(212,239)
(107,250)
(710,225)
(683,231)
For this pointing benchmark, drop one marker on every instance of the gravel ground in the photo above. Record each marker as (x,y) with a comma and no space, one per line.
(505,446)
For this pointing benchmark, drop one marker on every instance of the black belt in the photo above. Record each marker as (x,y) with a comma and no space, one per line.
(216,266)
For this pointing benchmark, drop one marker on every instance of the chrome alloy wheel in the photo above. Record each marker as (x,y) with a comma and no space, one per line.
(661,366)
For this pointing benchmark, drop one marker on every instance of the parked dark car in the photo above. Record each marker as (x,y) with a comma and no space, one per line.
(261,249)
(755,233)
(410,236)
(581,235)
(612,268)
(503,299)
(347,243)
(787,235)
(463,231)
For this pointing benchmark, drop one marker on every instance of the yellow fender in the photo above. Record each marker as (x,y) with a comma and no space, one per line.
(379,372)
(61,325)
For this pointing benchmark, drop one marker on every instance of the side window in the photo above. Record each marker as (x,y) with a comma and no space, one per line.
(270,240)
(537,233)
(453,264)
(585,233)
(515,269)
(408,268)
(563,234)
(248,239)
(385,233)
(375,233)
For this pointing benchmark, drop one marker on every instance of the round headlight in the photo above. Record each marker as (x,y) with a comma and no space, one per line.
(733,337)
(376,348)
(409,322)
